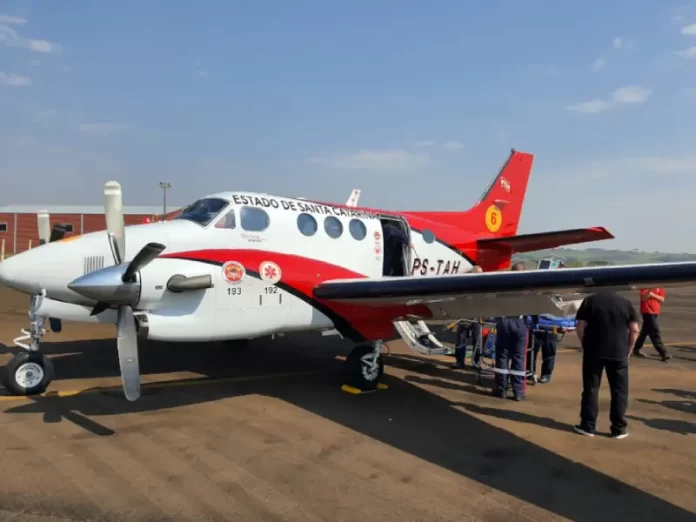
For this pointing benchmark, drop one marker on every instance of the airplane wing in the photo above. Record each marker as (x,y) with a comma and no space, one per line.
(353,199)
(501,293)
(542,241)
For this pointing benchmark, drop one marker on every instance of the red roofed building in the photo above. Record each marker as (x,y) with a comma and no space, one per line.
(19,230)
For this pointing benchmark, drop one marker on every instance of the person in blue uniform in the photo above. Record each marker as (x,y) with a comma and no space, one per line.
(545,341)
(510,354)
(534,342)
(548,356)
(394,241)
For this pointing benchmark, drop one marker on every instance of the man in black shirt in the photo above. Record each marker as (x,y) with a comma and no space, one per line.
(607,326)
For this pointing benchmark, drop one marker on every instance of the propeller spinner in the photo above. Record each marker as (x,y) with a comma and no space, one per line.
(118,285)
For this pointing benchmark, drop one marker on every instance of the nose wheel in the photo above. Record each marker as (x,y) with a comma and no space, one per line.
(28,373)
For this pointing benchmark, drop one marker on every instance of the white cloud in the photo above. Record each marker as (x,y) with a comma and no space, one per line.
(629,95)
(618,42)
(11,38)
(377,160)
(689,30)
(688,54)
(14,80)
(425,143)
(453,145)
(621,43)
(598,64)
(12,20)
(590,107)
(103,129)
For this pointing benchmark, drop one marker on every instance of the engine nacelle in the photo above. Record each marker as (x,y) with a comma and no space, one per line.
(173,328)
(74,312)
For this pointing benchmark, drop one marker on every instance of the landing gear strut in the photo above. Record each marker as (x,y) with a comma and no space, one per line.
(30,372)
(364,368)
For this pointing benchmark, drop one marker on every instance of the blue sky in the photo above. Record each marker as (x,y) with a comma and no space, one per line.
(415,103)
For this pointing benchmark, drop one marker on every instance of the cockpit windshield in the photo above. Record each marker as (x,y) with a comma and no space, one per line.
(204,210)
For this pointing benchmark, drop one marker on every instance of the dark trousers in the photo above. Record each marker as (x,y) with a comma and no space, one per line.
(510,355)
(546,343)
(617,375)
(462,341)
(650,328)
(533,348)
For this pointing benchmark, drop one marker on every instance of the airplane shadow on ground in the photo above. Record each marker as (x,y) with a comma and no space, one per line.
(686,405)
(674,425)
(406,417)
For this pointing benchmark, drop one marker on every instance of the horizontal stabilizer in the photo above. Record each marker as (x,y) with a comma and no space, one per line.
(545,240)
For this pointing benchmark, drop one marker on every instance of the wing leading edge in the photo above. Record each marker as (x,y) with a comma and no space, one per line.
(503,293)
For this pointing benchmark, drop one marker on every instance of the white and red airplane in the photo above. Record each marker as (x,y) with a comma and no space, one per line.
(235,266)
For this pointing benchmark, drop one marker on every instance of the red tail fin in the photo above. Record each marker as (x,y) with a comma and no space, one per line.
(497,213)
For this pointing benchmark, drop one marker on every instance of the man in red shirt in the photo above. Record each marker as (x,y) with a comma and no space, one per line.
(651,300)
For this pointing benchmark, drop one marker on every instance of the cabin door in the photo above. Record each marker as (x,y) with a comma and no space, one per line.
(405,254)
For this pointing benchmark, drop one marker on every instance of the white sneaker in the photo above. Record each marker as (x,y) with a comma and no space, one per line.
(579,429)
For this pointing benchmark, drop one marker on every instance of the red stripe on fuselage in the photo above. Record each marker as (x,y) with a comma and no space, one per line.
(303,274)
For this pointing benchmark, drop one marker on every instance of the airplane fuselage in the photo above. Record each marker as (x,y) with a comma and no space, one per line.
(264,256)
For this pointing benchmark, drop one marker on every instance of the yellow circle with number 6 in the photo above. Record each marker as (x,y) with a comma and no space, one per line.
(494,218)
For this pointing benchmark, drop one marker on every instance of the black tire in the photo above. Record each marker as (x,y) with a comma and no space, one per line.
(358,374)
(28,373)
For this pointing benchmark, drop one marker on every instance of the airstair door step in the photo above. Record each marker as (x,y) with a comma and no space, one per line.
(419,338)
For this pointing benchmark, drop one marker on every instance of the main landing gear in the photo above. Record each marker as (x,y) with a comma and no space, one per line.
(364,369)
(30,372)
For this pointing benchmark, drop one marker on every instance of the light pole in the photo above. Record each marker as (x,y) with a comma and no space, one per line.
(164,185)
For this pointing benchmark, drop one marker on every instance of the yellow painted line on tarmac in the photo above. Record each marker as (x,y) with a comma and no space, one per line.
(161,384)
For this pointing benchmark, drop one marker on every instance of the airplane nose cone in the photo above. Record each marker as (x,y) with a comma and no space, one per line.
(12,275)
(106,285)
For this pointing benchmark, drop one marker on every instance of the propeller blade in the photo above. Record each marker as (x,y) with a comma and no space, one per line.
(127,343)
(142,259)
(118,257)
(99,308)
(44,225)
(115,224)
(57,233)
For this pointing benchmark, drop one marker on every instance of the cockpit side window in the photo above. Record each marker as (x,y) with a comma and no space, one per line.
(204,210)
(228,221)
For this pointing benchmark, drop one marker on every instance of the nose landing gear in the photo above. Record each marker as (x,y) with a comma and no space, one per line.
(30,372)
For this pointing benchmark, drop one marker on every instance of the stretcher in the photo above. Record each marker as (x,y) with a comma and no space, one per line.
(483,352)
